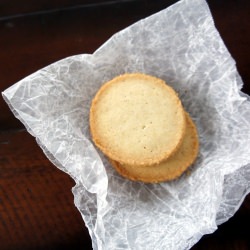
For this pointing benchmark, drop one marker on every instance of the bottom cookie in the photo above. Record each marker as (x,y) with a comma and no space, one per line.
(170,169)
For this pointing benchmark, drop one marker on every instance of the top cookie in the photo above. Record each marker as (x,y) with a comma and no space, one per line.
(137,119)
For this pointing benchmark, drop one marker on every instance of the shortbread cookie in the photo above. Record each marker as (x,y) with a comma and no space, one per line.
(170,169)
(137,119)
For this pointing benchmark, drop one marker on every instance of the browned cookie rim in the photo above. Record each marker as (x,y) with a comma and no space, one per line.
(179,171)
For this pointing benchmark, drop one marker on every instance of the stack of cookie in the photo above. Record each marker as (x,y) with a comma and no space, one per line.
(139,123)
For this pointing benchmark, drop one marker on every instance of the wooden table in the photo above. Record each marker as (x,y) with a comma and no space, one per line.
(36,203)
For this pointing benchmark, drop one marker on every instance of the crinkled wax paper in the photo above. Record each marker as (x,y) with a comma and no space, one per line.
(181,45)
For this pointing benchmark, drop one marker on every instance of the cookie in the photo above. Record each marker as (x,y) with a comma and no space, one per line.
(137,119)
(170,169)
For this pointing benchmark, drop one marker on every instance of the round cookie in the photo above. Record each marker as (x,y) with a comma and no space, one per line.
(137,119)
(170,169)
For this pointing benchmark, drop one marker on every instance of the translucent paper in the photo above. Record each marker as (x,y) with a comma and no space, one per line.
(181,45)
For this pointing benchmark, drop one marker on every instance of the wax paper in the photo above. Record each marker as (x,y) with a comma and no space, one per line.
(181,45)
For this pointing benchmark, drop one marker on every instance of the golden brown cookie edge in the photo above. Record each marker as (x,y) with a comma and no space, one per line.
(195,149)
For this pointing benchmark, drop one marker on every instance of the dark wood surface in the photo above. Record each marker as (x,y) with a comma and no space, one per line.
(36,203)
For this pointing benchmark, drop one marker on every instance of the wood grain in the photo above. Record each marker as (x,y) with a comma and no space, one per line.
(36,203)
(36,206)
